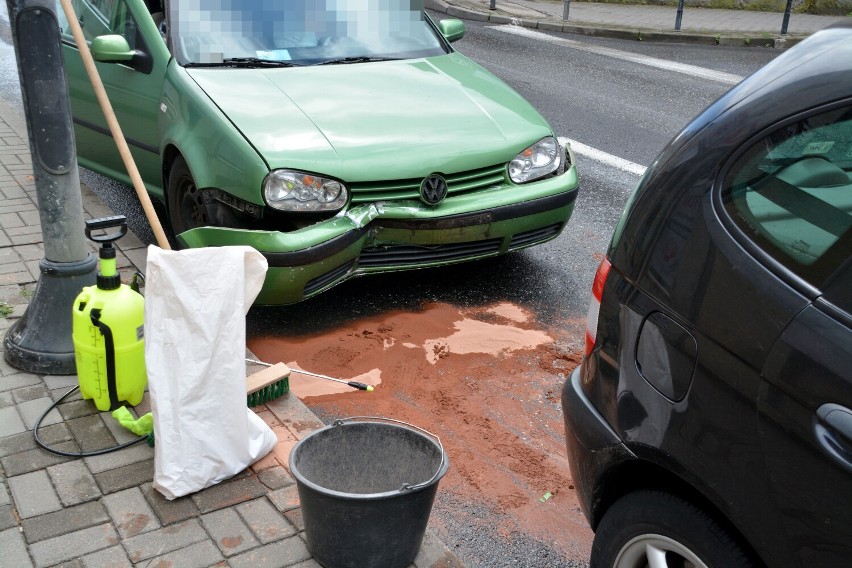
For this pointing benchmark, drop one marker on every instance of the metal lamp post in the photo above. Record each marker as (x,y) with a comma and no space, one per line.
(40,342)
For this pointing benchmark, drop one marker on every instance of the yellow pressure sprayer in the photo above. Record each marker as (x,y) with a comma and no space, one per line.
(108,330)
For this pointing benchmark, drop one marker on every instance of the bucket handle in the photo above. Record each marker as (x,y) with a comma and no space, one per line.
(405,486)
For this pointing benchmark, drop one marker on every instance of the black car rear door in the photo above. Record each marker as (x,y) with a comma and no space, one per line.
(805,415)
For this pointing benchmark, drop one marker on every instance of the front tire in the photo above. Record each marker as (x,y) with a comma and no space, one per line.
(659,530)
(187,209)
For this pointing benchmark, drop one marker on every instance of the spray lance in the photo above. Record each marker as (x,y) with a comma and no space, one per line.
(262,393)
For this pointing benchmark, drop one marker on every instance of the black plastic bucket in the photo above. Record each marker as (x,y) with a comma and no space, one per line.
(366,487)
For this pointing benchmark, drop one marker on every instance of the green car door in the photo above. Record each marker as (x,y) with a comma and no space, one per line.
(131,58)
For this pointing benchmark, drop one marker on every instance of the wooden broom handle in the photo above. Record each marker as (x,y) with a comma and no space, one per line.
(114,127)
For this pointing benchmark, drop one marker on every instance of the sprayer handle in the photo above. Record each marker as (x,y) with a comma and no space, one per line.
(119,221)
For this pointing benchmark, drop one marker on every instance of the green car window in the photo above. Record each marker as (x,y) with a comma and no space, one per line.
(791,194)
(102,17)
(123,23)
(304,33)
(94,17)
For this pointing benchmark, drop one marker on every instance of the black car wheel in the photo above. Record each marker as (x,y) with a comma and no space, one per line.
(659,530)
(187,209)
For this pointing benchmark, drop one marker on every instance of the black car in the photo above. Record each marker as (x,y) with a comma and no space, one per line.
(709,423)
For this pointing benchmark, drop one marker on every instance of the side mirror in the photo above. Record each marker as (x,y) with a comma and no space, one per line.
(452,30)
(111,49)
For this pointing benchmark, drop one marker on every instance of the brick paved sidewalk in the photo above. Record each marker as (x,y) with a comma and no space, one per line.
(103,511)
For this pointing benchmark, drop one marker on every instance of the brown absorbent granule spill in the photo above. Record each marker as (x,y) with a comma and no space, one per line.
(486,380)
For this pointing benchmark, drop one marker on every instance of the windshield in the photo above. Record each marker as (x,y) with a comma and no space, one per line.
(308,32)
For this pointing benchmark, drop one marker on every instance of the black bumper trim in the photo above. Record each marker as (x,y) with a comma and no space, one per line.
(593,447)
(535,206)
(311,254)
(582,419)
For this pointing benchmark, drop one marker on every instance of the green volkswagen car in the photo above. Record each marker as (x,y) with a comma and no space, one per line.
(337,137)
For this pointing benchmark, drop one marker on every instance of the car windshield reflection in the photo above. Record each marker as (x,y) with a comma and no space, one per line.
(210,32)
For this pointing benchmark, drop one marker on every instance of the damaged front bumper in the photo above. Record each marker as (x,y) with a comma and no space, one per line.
(400,235)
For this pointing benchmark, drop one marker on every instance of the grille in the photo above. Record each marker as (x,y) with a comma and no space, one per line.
(321,282)
(532,237)
(457,184)
(408,255)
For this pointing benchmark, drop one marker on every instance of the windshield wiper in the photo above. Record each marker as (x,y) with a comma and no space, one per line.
(359,59)
(248,62)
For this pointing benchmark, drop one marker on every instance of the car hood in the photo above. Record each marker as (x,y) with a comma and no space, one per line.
(381,120)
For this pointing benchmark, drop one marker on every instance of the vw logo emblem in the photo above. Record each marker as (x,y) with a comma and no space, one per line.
(433,189)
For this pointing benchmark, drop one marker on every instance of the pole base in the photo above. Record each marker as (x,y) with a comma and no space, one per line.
(41,342)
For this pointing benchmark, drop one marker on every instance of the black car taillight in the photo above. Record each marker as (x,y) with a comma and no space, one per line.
(595,305)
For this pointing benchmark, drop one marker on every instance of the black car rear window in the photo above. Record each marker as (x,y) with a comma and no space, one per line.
(791,194)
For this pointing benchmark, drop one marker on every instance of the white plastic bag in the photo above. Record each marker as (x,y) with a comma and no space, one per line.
(195,339)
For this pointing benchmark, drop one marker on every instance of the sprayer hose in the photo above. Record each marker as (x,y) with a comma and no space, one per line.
(76,454)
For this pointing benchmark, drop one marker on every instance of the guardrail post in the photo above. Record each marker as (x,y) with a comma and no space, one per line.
(679,15)
(786,20)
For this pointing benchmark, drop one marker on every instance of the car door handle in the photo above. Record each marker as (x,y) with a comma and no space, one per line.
(834,432)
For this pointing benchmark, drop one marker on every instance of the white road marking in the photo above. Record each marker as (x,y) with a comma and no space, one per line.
(604,158)
(694,70)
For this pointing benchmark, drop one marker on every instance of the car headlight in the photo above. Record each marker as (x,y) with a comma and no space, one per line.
(288,190)
(537,161)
